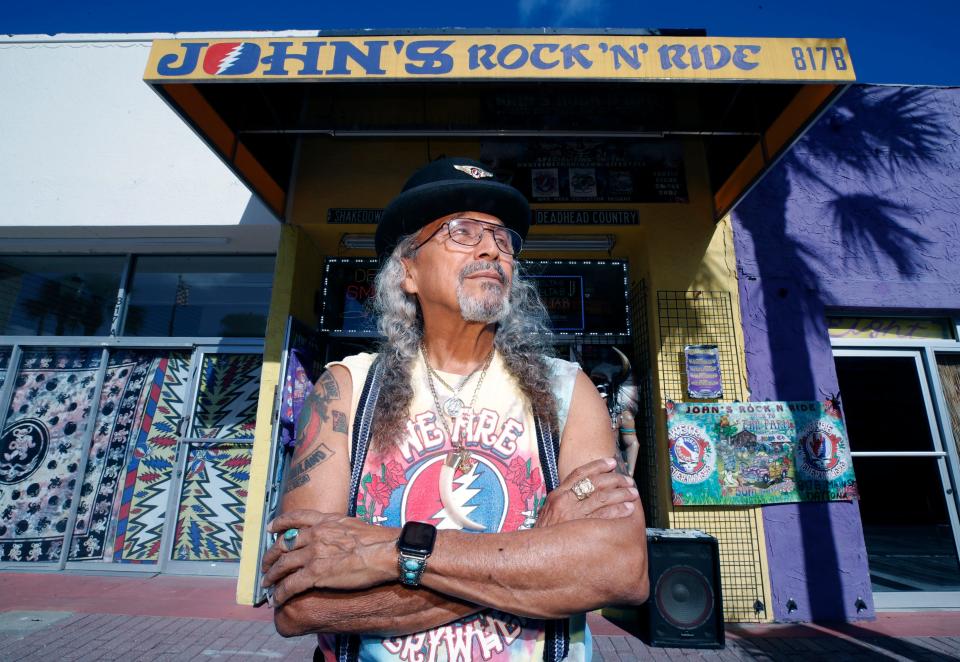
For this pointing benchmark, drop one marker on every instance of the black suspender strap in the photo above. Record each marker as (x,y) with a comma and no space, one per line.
(348,646)
(362,427)
(556,646)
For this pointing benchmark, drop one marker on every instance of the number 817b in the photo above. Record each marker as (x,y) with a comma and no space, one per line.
(819,58)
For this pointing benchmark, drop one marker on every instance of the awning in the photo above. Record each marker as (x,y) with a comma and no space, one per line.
(746,99)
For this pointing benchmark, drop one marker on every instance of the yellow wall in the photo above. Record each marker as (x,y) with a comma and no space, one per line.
(675,247)
(299,264)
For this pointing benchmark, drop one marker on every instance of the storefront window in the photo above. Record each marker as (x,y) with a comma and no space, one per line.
(222,296)
(4,363)
(58,296)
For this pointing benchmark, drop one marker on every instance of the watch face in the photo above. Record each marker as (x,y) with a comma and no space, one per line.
(417,538)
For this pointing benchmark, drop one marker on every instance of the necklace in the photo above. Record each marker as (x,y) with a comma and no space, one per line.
(452,405)
(461,456)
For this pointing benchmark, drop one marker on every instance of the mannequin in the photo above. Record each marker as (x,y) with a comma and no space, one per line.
(616,385)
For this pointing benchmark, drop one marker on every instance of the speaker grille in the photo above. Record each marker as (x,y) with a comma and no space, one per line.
(684,597)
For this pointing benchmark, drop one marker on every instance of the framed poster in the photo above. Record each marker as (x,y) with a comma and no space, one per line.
(744,453)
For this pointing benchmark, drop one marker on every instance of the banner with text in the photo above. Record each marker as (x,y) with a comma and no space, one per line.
(743,453)
(517,57)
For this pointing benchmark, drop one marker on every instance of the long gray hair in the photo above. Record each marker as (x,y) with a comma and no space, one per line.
(522,340)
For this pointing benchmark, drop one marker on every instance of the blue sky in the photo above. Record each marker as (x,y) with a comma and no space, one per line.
(891,42)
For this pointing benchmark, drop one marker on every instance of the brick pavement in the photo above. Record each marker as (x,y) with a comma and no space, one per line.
(63,617)
(83,637)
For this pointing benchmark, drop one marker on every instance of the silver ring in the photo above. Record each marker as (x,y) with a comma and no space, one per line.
(290,538)
(583,488)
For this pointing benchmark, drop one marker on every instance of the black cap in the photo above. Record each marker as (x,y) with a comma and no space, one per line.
(444,187)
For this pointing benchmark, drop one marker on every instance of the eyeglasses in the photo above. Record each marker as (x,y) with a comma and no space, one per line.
(469,232)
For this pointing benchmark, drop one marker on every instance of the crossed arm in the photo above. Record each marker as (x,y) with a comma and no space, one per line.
(341,576)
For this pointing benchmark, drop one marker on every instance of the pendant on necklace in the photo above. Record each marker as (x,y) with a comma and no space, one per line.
(465,463)
(452,406)
(459,459)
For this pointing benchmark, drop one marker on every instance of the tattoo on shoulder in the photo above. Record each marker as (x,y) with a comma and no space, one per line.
(314,412)
(299,473)
(339,421)
(327,387)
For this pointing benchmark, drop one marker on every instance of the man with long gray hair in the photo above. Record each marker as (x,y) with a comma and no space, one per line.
(454,496)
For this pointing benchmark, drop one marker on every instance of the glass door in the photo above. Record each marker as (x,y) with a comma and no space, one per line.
(213,463)
(907,503)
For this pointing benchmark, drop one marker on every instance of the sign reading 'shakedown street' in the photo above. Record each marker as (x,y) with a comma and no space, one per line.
(531,57)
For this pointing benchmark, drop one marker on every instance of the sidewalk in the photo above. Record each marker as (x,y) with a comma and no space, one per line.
(109,617)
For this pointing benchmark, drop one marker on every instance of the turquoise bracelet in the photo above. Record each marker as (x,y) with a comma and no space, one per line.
(627,431)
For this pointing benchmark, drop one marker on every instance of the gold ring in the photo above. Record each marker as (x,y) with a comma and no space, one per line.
(583,488)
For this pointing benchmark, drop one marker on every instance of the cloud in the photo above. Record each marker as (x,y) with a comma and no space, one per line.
(560,12)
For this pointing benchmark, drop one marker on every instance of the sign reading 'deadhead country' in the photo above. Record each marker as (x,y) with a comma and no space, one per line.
(457,57)
(741,453)
(370,216)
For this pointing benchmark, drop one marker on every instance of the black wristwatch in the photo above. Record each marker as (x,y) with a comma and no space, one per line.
(414,546)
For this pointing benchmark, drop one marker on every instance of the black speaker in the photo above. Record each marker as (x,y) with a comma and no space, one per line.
(685,608)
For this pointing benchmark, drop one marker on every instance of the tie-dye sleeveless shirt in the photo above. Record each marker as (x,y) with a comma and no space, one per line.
(504,491)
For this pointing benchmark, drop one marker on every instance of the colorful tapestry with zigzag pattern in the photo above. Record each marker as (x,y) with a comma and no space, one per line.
(150,464)
(212,503)
(227,397)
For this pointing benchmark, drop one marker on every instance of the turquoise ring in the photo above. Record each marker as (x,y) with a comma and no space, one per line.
(290,538)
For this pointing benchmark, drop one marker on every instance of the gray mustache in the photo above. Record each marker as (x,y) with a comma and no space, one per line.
(474,267)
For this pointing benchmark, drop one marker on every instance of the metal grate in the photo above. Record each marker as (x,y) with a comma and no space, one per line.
(741,563)
(694,318)
(646,471)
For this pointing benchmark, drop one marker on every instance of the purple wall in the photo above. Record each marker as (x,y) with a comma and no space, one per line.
(863,213)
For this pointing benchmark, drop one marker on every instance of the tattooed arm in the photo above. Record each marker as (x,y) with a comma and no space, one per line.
(317,480)
(570,565)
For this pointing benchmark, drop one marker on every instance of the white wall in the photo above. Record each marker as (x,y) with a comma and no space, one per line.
(93,160)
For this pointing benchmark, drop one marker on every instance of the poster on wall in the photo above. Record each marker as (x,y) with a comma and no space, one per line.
(591,170)
(748,453)
(704,380)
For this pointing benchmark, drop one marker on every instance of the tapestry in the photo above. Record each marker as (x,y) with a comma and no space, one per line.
(120,401)
(303,368)
(41,447)
(212,503)
(128,406)
(150,465)
(758,452)
(227,396)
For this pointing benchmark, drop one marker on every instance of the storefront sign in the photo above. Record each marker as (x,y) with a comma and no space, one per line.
(352,215)
(758,452)
(586,217)
(703,371)
(889,328)
(365,216)
(554,56)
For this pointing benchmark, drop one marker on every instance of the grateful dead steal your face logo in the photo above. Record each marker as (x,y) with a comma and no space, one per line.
(823,451)
(692,457)
(23,445)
